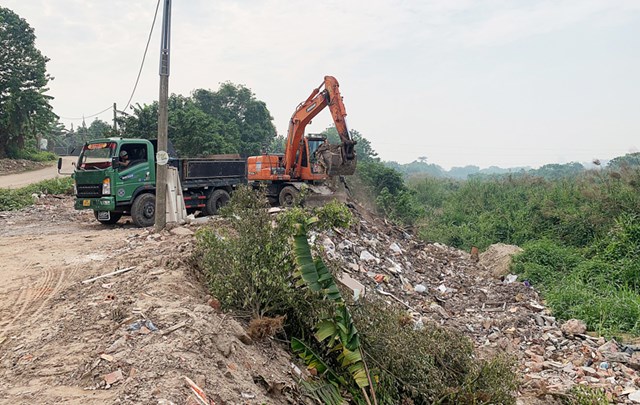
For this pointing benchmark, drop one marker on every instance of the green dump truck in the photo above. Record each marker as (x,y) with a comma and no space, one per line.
(116,177)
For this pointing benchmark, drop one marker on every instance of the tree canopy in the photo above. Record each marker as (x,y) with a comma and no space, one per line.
(230,120)
(24,106)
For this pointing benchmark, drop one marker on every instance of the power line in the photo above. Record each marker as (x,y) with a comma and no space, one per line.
(135,86)
(85,116)
(144,56)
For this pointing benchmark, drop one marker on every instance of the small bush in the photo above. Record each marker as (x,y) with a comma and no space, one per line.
(583,395)
(249,264)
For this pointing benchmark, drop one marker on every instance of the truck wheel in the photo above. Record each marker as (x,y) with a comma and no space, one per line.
(143,210)
(217,200)
(114,217)
(288,196)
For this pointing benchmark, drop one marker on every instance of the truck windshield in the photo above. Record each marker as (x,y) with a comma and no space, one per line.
(96,156)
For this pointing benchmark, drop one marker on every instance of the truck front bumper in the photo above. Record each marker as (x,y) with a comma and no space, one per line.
(96,204)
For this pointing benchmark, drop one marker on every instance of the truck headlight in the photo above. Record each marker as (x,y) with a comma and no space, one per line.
(75,188)
(106,187)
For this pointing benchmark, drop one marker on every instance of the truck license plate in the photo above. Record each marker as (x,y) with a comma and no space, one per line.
(104,215)
(86,203)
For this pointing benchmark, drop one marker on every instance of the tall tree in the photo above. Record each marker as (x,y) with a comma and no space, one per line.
(24,106)
(230,120)
(237,105)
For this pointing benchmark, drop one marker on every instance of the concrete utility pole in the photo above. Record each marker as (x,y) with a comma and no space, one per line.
(163,121)
(115,126)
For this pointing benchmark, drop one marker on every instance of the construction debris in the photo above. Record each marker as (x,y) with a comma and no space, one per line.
(479,298)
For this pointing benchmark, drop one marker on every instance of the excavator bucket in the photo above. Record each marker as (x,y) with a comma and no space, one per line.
(335,163)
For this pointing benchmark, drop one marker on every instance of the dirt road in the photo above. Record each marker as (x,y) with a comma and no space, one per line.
(60,337)
(25,178)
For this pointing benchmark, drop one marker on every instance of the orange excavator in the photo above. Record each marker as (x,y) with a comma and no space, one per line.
(308,161)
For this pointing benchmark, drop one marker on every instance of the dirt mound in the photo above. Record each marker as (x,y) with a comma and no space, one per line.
(129,338)
(497,258)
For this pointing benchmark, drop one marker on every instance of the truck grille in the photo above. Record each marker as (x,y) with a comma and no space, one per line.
(89,190)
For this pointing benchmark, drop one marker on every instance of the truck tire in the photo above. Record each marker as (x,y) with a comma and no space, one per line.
(114,217)
(218,199)
(288,196)
(143,210)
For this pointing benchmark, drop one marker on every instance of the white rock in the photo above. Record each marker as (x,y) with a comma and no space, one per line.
(419,288)
(395,248)
(368,257)
(635,397)
(181,231)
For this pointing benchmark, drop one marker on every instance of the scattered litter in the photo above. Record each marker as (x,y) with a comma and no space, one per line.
(198,392)
(138,325)
(368,257)
(395,248)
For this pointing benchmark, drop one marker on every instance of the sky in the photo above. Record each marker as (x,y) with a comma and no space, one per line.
(462,82)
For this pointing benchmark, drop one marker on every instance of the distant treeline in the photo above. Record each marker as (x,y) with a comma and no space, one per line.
(420,168)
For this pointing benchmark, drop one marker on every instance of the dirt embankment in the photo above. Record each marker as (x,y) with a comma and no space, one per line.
(112,340)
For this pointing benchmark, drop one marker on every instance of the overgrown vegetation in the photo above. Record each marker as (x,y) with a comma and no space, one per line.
(15,199)
(250,267)
(580,234)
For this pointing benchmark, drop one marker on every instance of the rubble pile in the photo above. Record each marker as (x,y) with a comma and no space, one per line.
(453,288)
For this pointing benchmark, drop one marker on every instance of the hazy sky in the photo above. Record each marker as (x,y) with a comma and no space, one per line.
(494,82)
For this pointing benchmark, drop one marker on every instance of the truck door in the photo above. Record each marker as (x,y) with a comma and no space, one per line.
(134,173)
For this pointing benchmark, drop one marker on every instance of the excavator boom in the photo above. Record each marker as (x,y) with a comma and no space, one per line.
(338,159)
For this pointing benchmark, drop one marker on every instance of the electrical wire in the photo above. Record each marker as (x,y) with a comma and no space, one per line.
(135,86)
(144,56)
(86,116)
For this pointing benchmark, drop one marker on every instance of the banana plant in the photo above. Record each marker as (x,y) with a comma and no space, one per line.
(339,331)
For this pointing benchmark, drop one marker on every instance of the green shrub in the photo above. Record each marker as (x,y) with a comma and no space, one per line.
(249,263)
(15,199)
(31,154)
(432,365)
(583,395)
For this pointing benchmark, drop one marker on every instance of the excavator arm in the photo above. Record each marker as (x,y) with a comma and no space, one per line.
(338,159)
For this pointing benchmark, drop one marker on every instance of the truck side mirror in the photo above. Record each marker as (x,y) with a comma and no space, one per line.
(59,164)
(115,162)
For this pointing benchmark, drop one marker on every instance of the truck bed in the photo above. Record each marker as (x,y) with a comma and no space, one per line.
(211,172)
